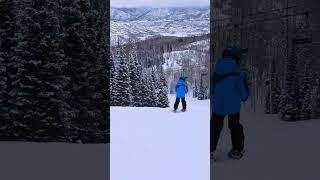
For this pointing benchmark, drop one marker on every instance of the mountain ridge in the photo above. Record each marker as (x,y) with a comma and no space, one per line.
(139,14)
(142,23)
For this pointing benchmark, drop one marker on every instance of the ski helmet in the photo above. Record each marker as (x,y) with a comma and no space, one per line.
(234,53)
(183,78)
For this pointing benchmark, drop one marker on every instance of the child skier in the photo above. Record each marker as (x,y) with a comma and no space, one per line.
(229,89)
(181,90)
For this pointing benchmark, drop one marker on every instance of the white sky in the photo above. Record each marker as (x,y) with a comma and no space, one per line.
(159,3)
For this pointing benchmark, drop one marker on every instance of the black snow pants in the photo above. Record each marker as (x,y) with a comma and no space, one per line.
(236,130)
(184,103)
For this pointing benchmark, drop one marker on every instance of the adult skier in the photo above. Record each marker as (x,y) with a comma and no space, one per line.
(181,90)
(229,88)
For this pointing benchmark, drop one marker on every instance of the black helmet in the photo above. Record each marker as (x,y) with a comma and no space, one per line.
(183,78)
(234,52)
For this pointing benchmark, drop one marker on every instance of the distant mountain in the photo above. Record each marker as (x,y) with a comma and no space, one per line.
(152,14)
(142,23)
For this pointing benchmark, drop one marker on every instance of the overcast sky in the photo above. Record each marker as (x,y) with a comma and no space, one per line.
(158,3)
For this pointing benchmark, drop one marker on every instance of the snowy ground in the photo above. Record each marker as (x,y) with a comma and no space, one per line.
(157,144)
(53,161)
(275,150)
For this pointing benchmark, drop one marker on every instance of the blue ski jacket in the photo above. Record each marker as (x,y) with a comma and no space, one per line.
(181,89)
(228,93)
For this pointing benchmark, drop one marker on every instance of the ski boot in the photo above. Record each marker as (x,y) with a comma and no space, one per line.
(235,154)
(183,110)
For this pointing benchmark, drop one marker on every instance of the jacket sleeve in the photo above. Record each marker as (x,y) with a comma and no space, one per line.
(243,87)
(187,89)
(213,79)
(212,84)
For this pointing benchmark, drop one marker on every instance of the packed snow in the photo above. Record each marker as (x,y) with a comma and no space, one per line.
(158,144)
(275,149)
(53,161)
(155,143)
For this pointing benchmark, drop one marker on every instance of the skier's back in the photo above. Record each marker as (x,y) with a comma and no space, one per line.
(229,89)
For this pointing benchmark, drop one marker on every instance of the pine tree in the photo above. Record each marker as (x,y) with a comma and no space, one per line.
(74,27)
(115,58)
(8,42)
(35,95)
(273,92)
(276,92)
(305,100)
(267,102)
(289,110)
(104,24)
(99,12)
(145,92)
(316,101)
(102,99)
(3,84)
(55,79)
(163,93)
(135,79)
(150,95)
(97,76)
(51,74)
(122,88)
(153,87)
(142,85)
(195,90)
(113,82)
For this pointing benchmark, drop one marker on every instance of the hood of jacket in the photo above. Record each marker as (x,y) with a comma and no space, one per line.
(226,65)
(180,82)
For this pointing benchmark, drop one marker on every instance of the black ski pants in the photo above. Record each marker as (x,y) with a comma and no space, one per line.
(184,103)
(236,130)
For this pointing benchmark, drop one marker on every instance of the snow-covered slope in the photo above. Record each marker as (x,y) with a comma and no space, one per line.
(274,149)
(157,144)
(154,143)
(141,23)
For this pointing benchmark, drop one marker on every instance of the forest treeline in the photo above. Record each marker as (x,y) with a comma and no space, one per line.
(135,85)
(54,71)
(150,51)
(282,62)
(149,56)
